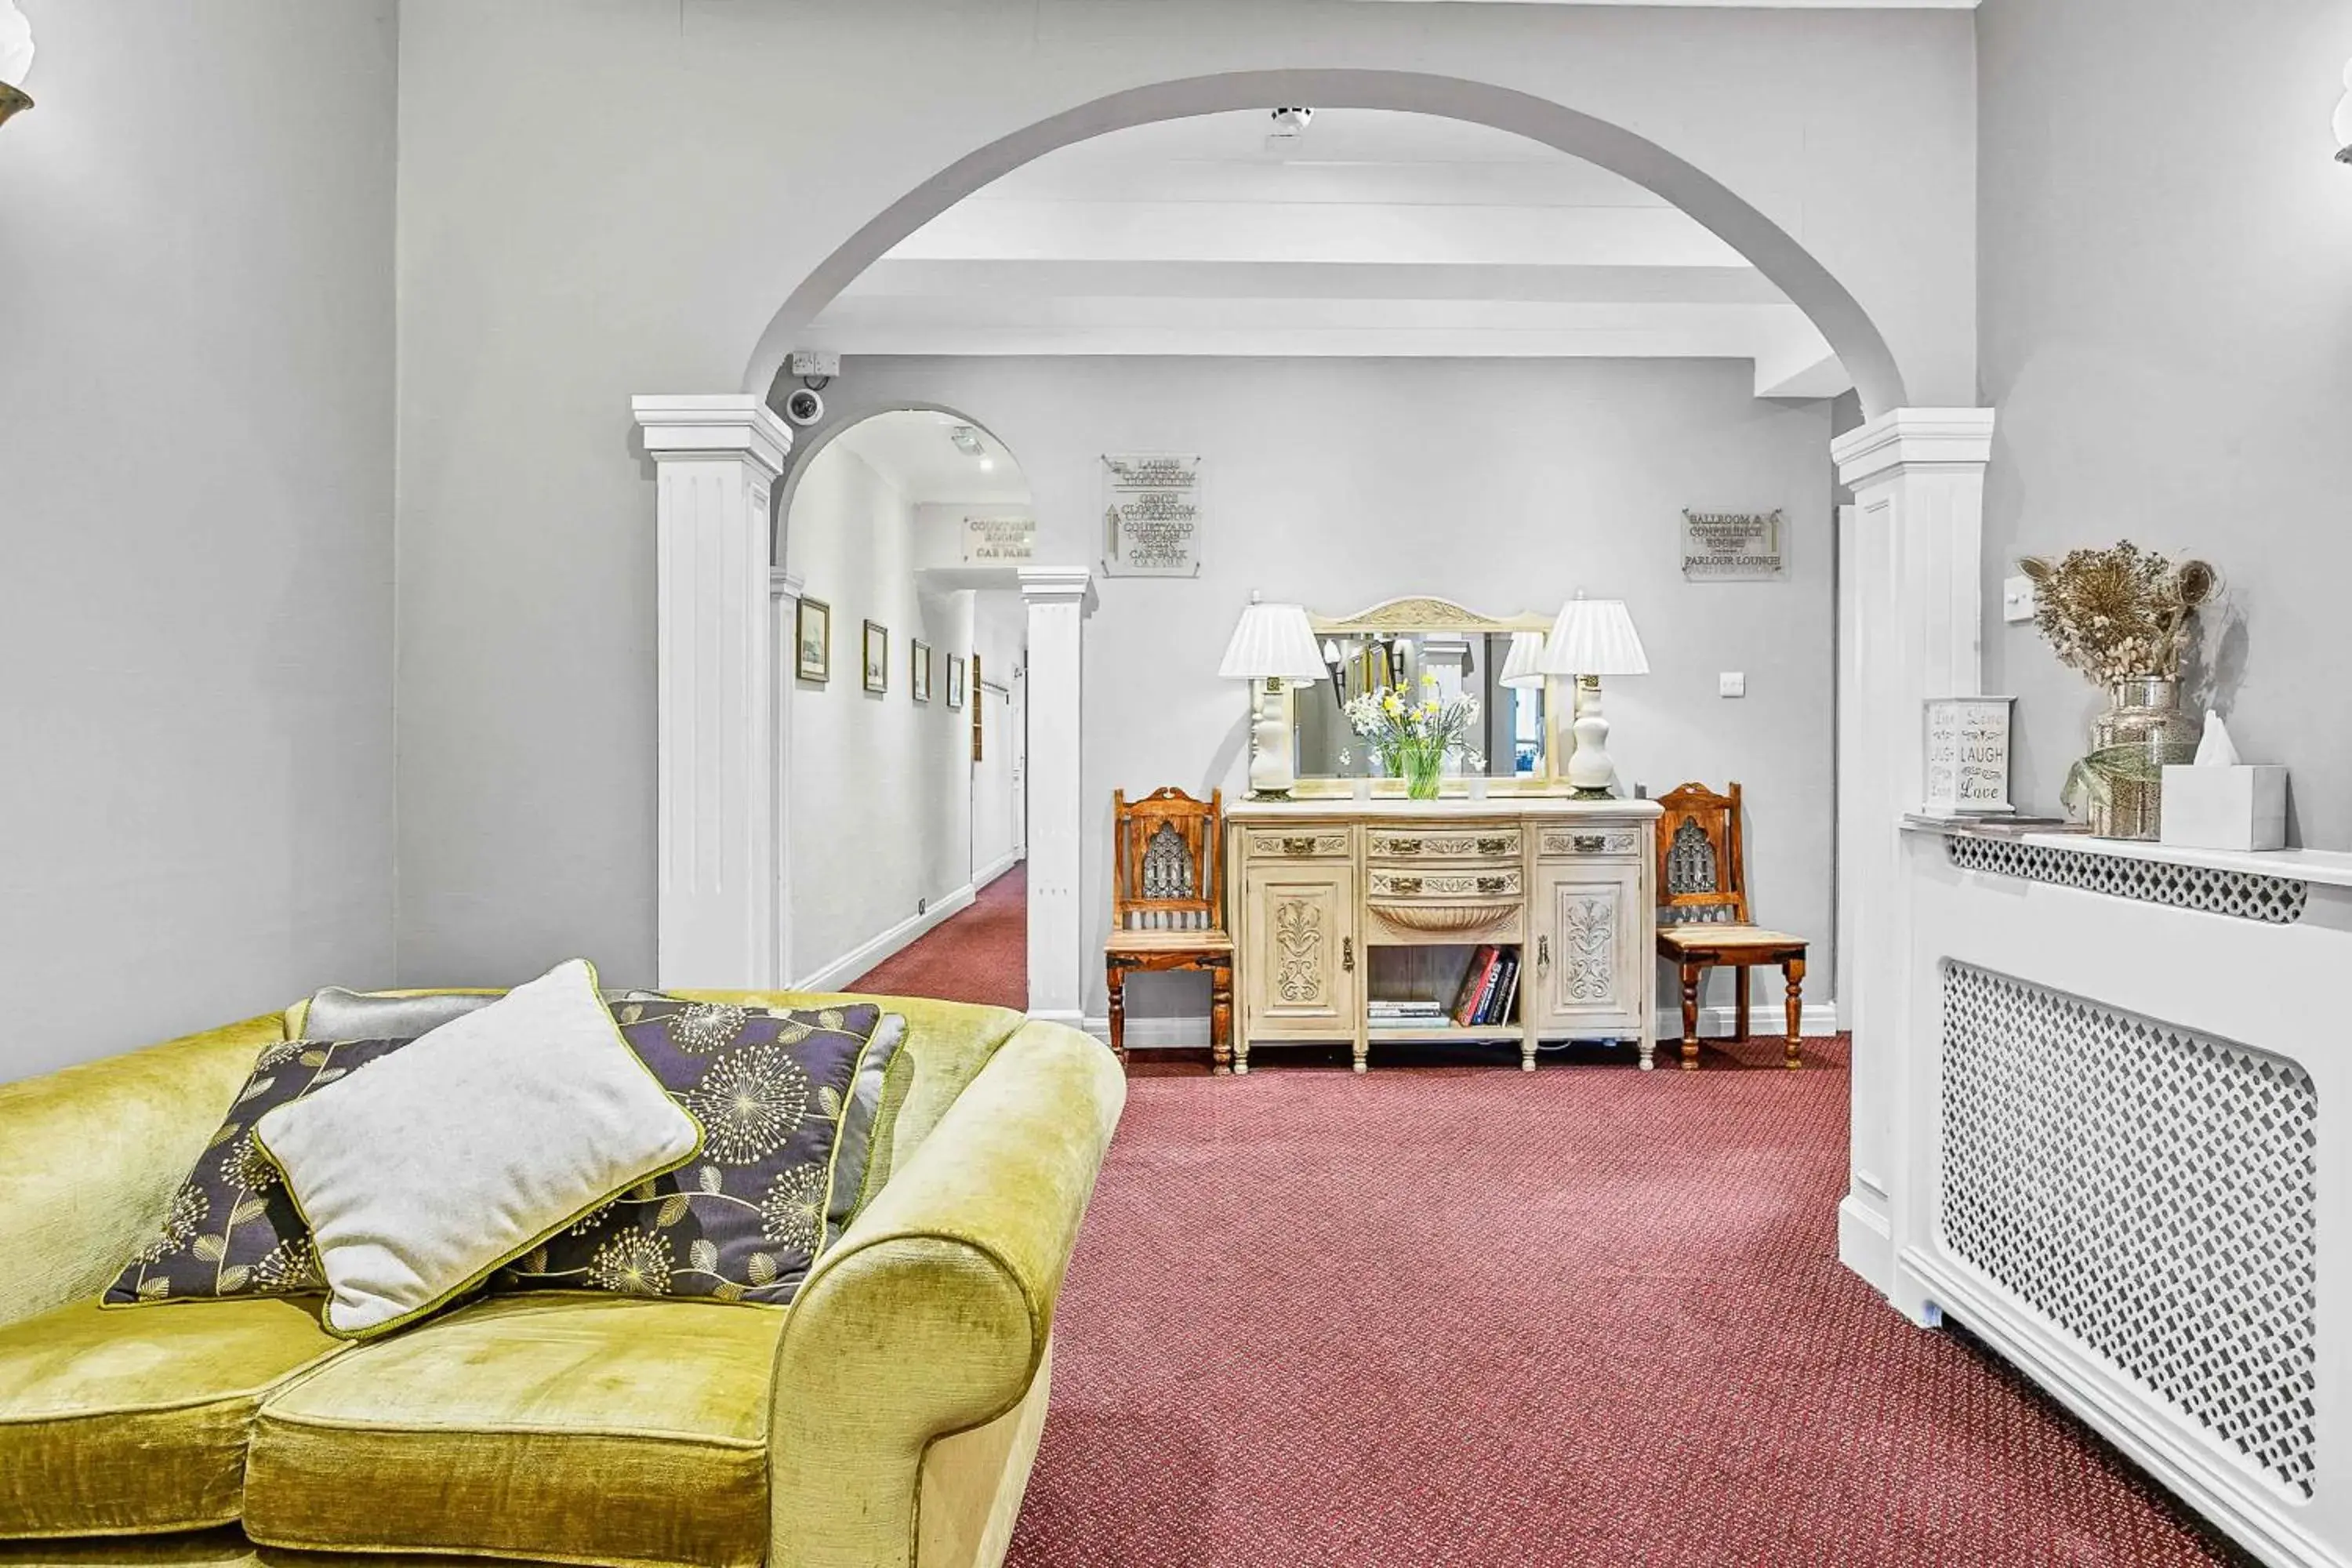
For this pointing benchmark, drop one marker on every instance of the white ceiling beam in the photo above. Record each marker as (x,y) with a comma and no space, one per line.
(1055,278)
(1319,181)
(1304,232)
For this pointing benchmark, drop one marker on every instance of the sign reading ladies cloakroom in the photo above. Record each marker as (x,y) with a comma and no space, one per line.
(1151,516)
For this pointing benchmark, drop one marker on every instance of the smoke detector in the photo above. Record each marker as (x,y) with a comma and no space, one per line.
(1289,123)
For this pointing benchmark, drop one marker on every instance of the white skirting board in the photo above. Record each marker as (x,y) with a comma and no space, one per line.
(1181,1032)
(997,867)
(868,953)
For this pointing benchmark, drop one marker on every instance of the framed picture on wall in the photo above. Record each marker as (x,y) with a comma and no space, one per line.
(918,670)
(978,697)
(877,656)
(955,682)
(813,632)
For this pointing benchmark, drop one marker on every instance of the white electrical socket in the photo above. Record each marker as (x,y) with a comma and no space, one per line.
(1731,683)
(2017,599)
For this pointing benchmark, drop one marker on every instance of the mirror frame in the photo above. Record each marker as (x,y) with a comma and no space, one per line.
(1420,613)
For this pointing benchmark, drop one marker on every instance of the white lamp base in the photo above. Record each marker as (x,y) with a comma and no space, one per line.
(1271,774)
(1590,771)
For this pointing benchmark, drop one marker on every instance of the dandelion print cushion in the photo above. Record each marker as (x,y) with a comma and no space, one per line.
(787,1101)
(232,1229)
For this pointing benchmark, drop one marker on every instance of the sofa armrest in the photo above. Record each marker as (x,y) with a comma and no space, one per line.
(91,1157)
(929,1315)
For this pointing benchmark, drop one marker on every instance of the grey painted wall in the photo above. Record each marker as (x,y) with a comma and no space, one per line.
(1502,484)
(557,258)
(195,511)
(2166,298)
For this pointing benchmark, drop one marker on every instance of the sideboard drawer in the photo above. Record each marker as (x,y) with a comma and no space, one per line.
(1584,841)
(1449,842)
(1306,844)
(1453,883)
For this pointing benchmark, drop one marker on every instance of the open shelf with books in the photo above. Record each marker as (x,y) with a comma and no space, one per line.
(1449,991)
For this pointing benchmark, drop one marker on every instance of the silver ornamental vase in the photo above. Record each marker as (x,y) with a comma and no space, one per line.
(2142,732)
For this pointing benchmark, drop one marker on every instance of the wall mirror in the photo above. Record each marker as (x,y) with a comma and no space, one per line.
(1393,645)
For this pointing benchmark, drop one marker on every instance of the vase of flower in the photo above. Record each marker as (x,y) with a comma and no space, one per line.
(2142,732)
(2125,617)
(1413,739)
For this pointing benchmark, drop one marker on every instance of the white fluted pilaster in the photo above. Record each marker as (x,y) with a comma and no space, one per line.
(1058,598)
(717,459)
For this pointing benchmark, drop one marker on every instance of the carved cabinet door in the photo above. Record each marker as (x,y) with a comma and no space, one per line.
(1302,970)
(1585,949)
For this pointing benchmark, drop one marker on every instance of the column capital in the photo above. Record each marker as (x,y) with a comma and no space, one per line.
(713,424)
(1913,438)
(1048,585)
(782,584)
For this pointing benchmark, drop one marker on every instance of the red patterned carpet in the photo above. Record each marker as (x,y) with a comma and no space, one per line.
(1469,1316)
(978,955)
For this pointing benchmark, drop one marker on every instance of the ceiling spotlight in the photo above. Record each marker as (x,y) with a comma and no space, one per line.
(967,441)
(986,464)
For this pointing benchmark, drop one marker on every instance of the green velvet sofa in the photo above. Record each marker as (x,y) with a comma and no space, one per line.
(888,1417)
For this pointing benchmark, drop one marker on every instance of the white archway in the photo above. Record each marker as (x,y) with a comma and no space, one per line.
(1771,248)
(1916,474)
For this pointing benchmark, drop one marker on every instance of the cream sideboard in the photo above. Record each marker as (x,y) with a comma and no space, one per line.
(1334,902)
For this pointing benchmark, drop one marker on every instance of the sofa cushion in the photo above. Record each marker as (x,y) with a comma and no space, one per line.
(231,1229)
(470,1146)
(333,1012)
(574,1428)
(116,1422)
(789,1102)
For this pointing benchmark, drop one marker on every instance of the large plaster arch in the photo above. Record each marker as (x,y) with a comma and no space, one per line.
(1772,249)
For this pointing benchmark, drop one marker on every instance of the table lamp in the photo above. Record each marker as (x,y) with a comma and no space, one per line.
(1523,666)
(1272,644)
(1593,638)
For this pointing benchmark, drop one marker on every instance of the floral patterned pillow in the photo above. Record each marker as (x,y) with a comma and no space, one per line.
(788,1103)
(232,1230)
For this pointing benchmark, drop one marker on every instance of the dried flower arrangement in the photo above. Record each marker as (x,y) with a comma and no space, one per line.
(2120,612)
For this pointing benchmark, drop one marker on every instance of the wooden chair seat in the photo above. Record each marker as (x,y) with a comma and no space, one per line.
(1675,940)
(1703,911)
(1167,905)
(1169,941)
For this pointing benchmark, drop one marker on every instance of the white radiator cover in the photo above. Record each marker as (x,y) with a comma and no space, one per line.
(2103,1136)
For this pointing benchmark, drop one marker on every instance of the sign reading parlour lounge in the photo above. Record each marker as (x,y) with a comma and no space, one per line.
(1151,516)
(1735,547)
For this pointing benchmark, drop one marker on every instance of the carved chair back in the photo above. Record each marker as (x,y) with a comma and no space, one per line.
(1701,877)
(1165,852)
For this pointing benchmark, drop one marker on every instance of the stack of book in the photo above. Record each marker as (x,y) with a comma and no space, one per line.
(1412,1012)
(1489,987)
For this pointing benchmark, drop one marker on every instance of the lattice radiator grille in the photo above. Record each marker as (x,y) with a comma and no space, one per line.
(2151,1190)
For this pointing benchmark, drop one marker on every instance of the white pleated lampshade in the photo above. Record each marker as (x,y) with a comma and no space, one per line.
(1273,642)
(1524,667)
(1594,636)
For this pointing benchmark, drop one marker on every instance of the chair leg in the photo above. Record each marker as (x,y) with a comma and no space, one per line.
(1691,973)
(1794,969)
(1115,979)
(1739,1003)
(1220,1019)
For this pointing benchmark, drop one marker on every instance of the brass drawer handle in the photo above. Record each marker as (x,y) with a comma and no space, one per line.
(1494,884)
(1347,953)
(1406,885)
(1404,845)
(1494,845)
(1301,845)
(1591,842)
(1543,955)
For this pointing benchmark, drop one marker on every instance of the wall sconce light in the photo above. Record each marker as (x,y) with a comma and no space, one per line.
(2344,119)
(15,59)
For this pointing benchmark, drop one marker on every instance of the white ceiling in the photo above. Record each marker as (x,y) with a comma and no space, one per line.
(912,449)
(1372,233)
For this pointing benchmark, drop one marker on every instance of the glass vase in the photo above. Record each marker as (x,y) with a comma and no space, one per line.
(2142,732)
(1421,768)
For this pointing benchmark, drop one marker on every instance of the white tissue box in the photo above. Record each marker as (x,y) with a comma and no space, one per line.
(2238,807)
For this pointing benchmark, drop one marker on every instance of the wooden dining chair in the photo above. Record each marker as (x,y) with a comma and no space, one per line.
(1703,918)
(1166,897)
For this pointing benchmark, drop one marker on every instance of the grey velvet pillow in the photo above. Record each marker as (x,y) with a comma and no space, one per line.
(335,1014)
